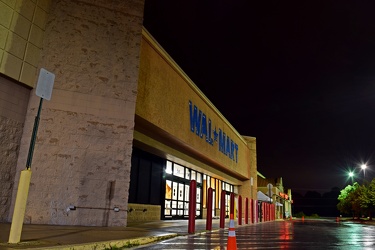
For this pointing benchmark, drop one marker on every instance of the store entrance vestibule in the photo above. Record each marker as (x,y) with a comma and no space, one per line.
(160,182)
(178,178)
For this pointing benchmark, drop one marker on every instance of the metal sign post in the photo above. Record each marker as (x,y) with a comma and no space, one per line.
(33,136)
(44,90)
(270,193)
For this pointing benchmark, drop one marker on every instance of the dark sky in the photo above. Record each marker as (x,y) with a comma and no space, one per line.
(297,75)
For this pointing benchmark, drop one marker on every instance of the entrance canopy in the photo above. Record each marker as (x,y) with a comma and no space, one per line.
(262,197)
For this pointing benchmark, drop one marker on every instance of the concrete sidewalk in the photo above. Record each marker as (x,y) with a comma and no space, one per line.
(79,237)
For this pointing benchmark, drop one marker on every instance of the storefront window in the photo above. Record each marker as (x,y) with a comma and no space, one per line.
(187,190)
(227,187)
(193,175)
(168,168)
(187,174)
(199,178)
(168,190)
(180,191)
(168,209)
(174,191)
(178,170)
(186,209)
(213,183)
(198,212)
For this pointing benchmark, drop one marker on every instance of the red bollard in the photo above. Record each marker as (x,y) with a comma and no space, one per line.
(192,206)
(256,219)
(222,209)
(247,211)
(239,210)
(252,211)
(265,211)
(231,209)
(209,210)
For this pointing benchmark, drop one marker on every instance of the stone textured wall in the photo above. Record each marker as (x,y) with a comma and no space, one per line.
(13,104)
(83,150)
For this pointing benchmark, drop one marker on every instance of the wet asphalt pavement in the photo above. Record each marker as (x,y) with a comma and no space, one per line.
(289,234)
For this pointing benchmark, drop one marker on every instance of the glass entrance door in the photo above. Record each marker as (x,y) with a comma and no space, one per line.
(227,204)
(177,200)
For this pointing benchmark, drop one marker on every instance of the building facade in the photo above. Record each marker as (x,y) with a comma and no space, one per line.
(125,131)
(176,122)
(271,190)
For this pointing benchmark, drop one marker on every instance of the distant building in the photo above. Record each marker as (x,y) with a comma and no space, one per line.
(271,190)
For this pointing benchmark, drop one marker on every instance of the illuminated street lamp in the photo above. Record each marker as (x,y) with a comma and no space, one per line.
(351,175)
(363,167)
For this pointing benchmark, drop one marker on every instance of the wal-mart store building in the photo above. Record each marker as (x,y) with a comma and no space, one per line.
(125,131)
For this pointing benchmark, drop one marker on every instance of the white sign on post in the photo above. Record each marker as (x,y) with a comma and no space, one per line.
(270,186)
(45,84)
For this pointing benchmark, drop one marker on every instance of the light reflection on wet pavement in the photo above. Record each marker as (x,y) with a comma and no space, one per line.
(290,234)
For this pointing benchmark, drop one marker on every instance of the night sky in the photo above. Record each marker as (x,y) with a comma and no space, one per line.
(297,75)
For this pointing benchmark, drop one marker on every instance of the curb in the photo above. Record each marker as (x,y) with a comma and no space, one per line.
(112,244)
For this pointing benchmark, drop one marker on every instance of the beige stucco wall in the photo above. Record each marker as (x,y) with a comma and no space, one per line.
(163,100)
(22,24)
(13,104)
(82,154)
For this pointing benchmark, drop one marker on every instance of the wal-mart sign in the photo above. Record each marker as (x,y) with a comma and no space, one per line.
(202,126)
